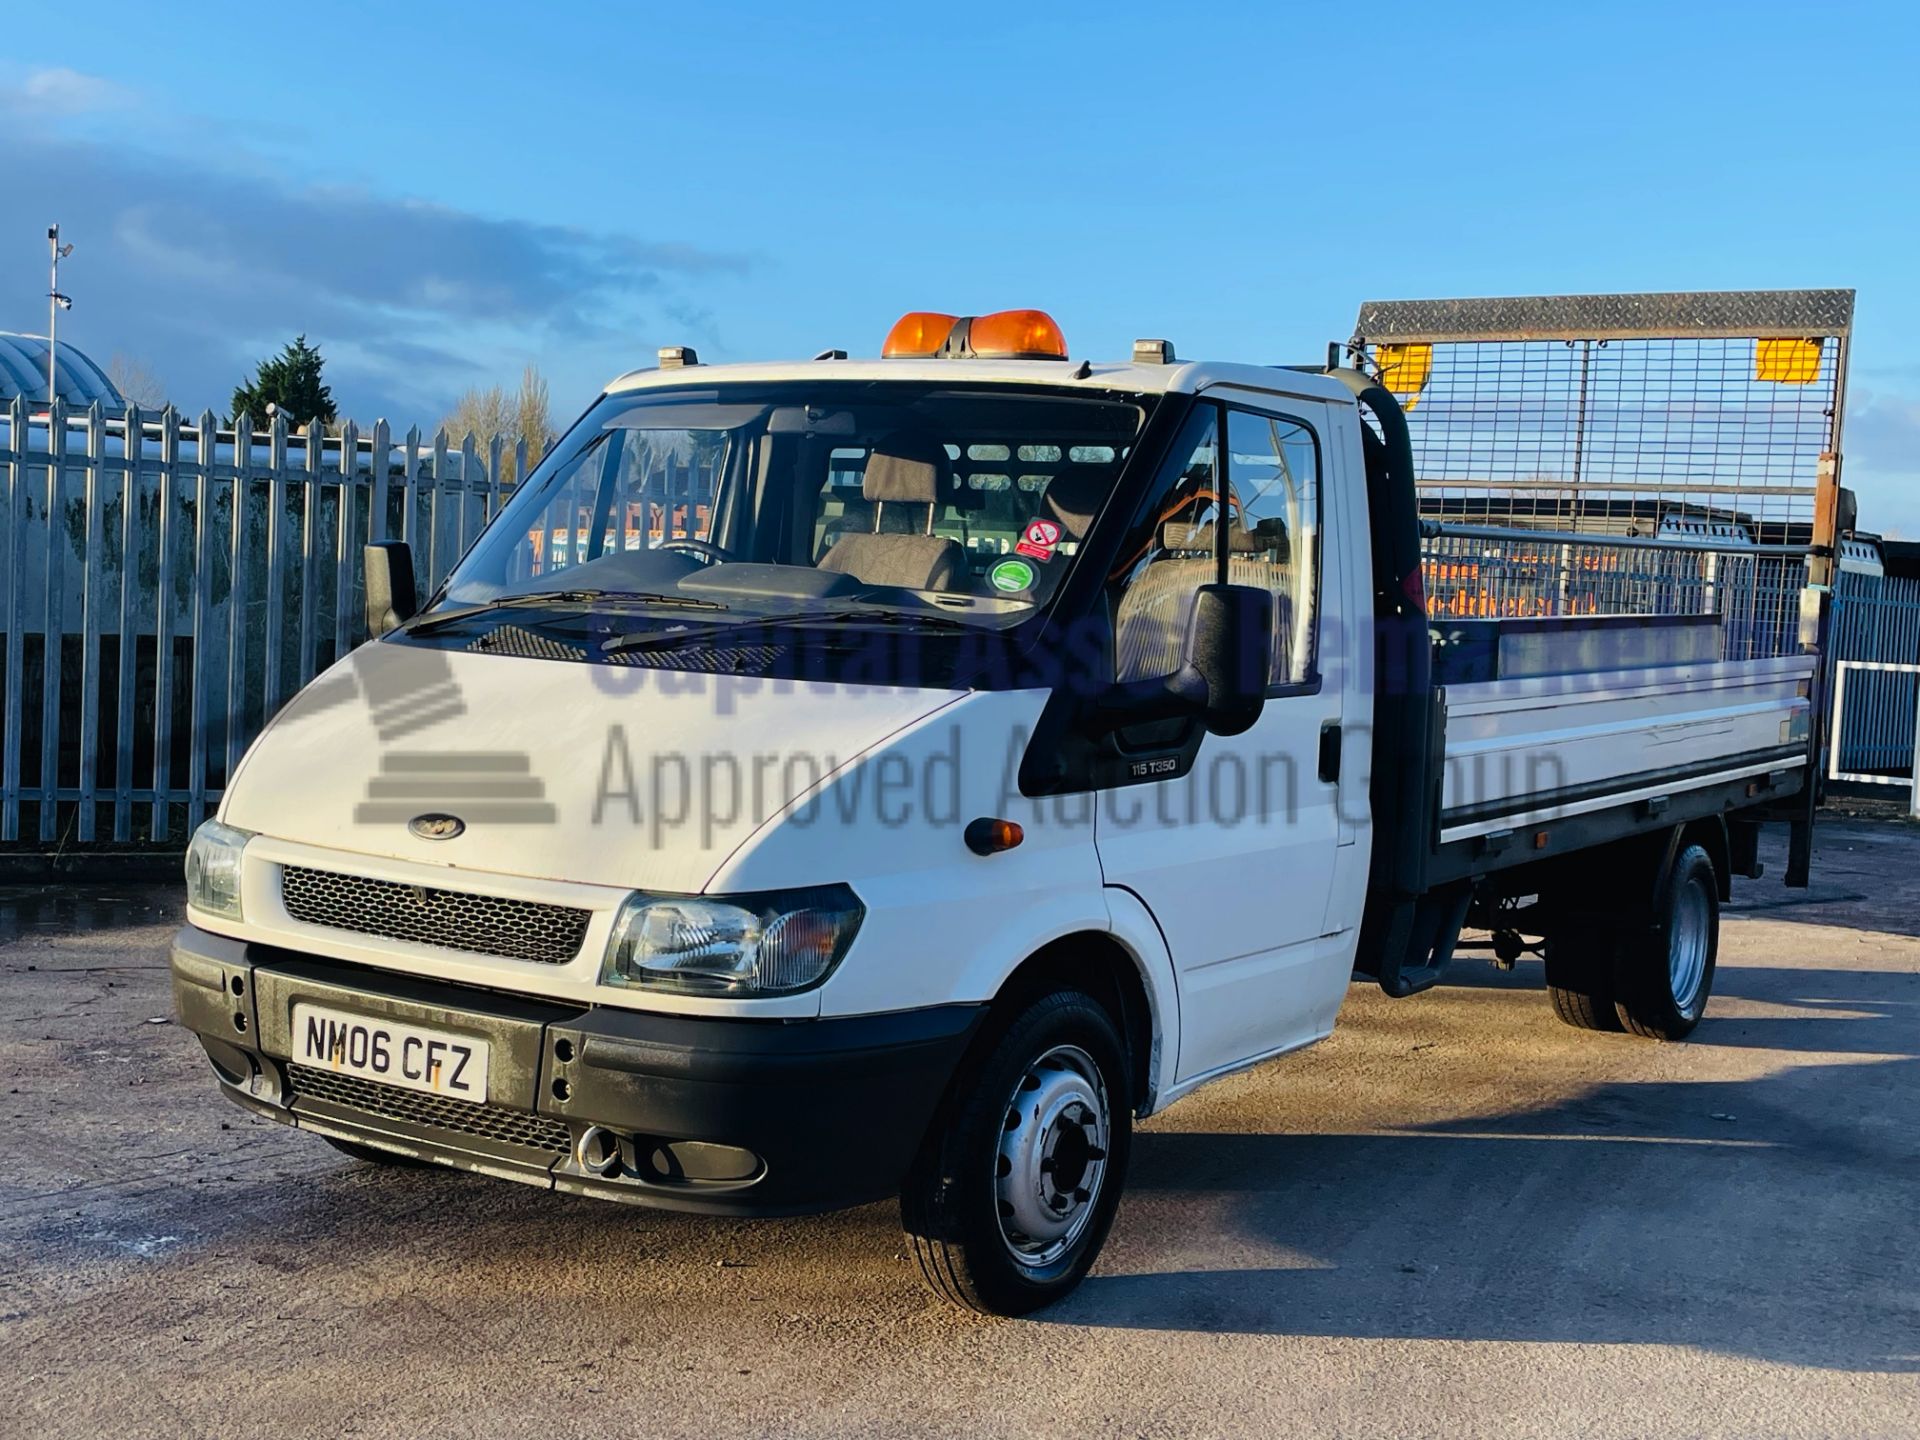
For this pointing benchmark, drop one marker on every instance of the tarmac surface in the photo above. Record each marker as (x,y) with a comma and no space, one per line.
(1457,1217)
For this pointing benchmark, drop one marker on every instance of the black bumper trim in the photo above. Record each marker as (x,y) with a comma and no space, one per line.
(833,1108)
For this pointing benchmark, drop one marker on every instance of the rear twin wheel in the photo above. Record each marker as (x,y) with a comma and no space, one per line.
(1652,974)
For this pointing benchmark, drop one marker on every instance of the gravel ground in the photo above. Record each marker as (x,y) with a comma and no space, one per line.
(1456,1217)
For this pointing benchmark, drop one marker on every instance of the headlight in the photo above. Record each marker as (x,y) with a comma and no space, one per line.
(213,869)
(772,943)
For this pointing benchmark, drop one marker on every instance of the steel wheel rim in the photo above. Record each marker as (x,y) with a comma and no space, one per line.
(1687,944)
(1052,1160)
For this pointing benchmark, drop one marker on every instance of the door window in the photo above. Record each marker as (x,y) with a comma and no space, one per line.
(1273,473)
(1168,555)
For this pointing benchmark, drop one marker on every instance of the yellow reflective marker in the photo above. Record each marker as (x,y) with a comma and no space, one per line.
(1787,362)
(1404,370)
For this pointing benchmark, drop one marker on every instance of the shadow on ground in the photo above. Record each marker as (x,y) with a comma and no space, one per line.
(1773,1217)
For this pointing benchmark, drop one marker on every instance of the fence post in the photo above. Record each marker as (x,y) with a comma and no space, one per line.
(409,522)
(496,452)
(199,683)
(380,460)
(343,533)
(430,574)
(18,501)
(1837,716)
(467,492)
(276,573)
(1913,794)
(56,607)
(132,443)
(309,554)
(237,586)
(166,491)
(91,564)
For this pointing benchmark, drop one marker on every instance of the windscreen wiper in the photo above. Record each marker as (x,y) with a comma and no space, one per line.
(842,620)
(569,598)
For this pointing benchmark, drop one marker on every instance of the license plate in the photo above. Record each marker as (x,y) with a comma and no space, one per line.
(410,1056)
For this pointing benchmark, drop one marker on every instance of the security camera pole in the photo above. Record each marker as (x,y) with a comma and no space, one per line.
(56,302)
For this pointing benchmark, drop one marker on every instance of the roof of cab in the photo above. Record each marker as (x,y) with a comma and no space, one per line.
(1182,377)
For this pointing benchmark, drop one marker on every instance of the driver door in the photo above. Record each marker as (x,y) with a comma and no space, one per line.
(1232,841)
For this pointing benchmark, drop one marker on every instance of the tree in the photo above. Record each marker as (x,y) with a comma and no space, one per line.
(291,382)
(532,420)
(136,382)
(523,415)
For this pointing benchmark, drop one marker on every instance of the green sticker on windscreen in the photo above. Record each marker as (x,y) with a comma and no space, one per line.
(1011,575)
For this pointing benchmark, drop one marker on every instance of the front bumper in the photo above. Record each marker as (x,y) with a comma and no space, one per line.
(727,1116)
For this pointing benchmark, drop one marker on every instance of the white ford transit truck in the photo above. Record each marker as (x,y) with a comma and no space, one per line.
(849,779)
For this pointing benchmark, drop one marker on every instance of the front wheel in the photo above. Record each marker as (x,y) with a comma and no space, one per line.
(1014,1193)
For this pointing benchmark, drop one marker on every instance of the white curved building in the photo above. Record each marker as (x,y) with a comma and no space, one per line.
(23,371)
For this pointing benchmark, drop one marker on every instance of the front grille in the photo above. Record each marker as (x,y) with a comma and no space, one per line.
(527,644)
(449,919)
(512,1127)
(709,659)
(714,657)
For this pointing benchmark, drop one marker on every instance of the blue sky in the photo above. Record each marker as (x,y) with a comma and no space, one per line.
(439,193)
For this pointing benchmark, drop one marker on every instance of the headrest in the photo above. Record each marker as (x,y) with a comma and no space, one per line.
(908,467)
(1074,497)
(1178,535)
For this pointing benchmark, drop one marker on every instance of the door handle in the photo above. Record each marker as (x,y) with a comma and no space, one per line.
(1330,752)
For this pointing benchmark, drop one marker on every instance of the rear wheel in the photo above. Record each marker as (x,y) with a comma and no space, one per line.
(1662,978)
(1580,969)
(1015,1190)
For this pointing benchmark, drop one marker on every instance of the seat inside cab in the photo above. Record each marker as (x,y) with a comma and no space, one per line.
(914,473)
(927,514)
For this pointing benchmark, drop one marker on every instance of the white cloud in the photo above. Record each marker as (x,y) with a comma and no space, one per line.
(1882,441)
(58,91)
(199,261)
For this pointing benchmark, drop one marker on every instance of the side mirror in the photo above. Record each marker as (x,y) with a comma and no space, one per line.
(391,597)
(1230,650)
(1222,677)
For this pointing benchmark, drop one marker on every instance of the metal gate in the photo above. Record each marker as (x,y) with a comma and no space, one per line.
(1875,642)
(1878,697)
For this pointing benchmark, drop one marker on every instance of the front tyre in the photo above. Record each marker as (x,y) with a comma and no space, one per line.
(1014,1192)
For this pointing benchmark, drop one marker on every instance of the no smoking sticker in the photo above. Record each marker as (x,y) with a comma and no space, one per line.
(1040,538)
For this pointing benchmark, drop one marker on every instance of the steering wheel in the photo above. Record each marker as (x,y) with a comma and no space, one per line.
(704,549)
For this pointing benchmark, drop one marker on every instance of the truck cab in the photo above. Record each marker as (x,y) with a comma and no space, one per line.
(842,779)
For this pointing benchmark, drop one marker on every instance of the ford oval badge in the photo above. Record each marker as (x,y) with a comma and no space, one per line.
(436,827)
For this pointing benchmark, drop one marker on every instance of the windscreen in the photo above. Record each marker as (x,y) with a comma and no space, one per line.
(968,502)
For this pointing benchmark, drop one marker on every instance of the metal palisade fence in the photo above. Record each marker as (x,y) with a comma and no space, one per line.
(166,585)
